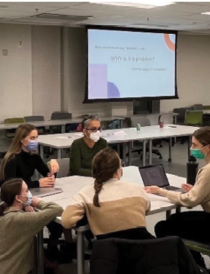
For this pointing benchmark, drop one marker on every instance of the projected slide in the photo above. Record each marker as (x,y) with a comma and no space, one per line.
(125,64)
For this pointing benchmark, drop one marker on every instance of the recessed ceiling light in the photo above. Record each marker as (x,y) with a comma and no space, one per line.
(206,13)
(142,4)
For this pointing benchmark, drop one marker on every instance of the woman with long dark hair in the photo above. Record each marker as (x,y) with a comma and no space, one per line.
(21,160)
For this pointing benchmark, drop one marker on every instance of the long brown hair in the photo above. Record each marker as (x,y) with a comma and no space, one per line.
(22,132)
(203,135)
(104,165)
(9,190)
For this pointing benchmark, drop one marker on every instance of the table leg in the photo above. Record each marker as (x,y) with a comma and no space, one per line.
(63,128)
(189,145)
(168,213)
(124,153)
(40,253)
(118,148)
(169,146)
(150,152)
(129,153)
(80,252)
(59,151)
(41,147)
(144,152)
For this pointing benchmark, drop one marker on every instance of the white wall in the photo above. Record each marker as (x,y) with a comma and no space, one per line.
(15,71)
(193,72)
(46,73)
(46,70)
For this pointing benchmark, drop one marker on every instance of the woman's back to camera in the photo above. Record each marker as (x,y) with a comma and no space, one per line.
(112,206)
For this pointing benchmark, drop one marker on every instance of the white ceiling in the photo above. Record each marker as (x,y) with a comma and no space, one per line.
(182,16)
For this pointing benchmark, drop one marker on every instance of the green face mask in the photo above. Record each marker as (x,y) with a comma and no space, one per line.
(197,153)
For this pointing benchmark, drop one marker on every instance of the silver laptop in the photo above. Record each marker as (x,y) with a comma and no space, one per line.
(155,175)
(47,191)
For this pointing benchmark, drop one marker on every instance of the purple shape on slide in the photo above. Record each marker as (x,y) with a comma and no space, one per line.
(113,91)
(97,81)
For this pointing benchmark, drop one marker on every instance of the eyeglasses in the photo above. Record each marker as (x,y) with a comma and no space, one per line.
(94,129)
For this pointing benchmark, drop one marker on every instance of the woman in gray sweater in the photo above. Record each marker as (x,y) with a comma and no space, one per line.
(18,228)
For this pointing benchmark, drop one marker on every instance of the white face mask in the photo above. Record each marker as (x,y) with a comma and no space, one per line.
(95,136)
(30,199)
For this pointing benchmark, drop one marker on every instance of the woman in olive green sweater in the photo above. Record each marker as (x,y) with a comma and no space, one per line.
(84,149)
(18,228)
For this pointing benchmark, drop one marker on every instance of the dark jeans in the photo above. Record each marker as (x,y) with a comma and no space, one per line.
(191,225)
(139,233)
(55,230)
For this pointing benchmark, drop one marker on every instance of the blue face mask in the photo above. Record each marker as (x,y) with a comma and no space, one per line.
(197,153)
(32,146)
(30,199)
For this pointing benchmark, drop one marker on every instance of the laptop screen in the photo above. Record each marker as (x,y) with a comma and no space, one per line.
(154,175)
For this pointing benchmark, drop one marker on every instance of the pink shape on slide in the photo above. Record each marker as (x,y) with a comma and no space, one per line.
(97,81)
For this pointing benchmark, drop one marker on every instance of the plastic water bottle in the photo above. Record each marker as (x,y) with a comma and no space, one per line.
(138,127)
(192,169)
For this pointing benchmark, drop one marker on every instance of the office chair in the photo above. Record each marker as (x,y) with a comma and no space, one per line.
(64,166)
(194,118)
(143,121)
(34,118)
(198,107)
(59,115)
(181,114)
(180,119)
(197,246)
(10,133)
(115,124)
(163,255)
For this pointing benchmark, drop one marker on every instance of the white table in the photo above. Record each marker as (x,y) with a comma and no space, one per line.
(71,185)
(61,123)
(125,135)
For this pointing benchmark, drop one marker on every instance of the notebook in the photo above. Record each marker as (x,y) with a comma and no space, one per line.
(47,191)
(155,175)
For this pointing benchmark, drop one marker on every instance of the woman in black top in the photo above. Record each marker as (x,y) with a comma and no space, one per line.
(22,160)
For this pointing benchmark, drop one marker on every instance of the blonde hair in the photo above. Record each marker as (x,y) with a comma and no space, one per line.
(22,132)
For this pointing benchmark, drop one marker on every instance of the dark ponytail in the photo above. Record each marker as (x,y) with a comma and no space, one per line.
(3,206)
(9,190)
(104,165)
(98,187)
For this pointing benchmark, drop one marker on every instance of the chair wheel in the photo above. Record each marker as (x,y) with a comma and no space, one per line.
(160,157)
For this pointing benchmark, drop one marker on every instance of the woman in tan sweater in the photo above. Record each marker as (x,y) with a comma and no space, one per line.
(18,228)
(114,208)
(193,225)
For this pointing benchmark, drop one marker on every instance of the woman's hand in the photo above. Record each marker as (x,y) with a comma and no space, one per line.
(186,187)
(29,209)
(152,189)
(47,181)
(53,166)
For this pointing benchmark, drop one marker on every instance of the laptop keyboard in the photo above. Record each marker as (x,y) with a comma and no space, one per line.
(172,188)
